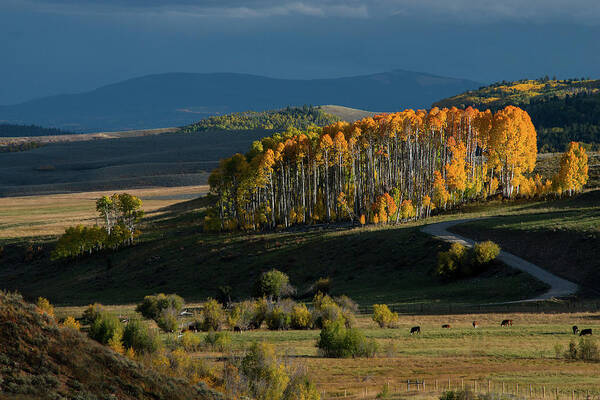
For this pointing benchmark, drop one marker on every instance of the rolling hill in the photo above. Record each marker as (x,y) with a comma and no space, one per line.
(176,99)
(561,110)
(40,360)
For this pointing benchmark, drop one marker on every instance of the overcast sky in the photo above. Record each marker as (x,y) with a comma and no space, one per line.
(61,46)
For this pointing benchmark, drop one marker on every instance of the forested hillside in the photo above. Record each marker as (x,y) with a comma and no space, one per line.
(10,130)
(561,110)
(297,117)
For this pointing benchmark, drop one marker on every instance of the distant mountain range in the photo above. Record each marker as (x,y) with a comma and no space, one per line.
(176,99)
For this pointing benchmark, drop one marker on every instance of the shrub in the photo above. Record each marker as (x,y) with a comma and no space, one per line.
(241,315)
(220,341)
(485,252)
(278,319)
(346,303)
(300,318)
(92,312)
(588,350)
(140,338)
(116,342)
(326,311)
(266,375)
(213,315)
(71,323)
(190,341)
(337,341)
(383,316)
(273,284)
(260,309)
(385,393)
(322,285)
(301,387)
(152,306)
(167,320)
(45,306)
(105,327)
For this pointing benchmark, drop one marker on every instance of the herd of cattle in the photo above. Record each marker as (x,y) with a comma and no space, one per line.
(505,322)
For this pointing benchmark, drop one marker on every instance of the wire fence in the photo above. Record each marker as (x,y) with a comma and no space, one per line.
(562,306)
(434,388)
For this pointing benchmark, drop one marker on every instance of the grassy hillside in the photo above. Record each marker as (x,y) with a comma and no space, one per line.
(171,159)
(377,264)
(561,110)
(563,236)
(347,113)
(40,360)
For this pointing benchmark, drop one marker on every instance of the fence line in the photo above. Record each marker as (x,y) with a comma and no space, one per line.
(523,307)
(420,387)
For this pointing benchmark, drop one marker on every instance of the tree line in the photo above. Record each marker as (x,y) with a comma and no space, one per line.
(387,168)
(120,214)
(274,120)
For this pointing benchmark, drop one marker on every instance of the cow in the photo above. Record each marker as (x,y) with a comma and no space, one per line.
(446,326)
(506,322)
(237,329)
(415,329)
(575,330)
(475,324)
(585,332)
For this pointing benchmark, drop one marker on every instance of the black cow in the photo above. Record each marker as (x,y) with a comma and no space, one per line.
(415,329)
(237,329)
(575,330)
(507,322)
(585,332)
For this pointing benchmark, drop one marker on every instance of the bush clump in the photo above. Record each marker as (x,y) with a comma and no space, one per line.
(152,306)
(71,323)
(213,316)
(106,327)
(383,316)
(301,317)
(273,284)
(92,312)
(585,350)
(278,319)
(140,338)
(219,341)
(460,262)
(45,306)
(337,341)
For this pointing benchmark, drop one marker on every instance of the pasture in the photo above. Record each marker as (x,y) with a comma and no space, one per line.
(163,160)
(524,354)
(49,215)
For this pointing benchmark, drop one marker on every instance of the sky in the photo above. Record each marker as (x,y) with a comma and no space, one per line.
(64,46)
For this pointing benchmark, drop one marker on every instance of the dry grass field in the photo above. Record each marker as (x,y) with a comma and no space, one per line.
(50,214)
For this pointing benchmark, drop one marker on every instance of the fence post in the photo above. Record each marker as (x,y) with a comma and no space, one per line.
(462,383)
(489,386)
(502,387)
(436,385)
(423,385)
(517,393)
(408,385)
(544,391)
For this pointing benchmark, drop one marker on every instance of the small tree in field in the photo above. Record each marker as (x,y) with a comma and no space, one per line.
(383,316)
(273,284)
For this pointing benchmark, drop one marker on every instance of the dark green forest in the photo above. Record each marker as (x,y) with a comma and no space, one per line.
(10,130)
(275,120)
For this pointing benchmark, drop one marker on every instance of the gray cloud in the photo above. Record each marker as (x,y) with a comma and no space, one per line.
(582,11)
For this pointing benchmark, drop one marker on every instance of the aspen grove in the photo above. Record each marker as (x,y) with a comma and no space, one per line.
(382,169)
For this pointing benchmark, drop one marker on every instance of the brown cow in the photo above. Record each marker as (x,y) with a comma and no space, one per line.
(507,322)
(585,332)
(475,324)
(446,326)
